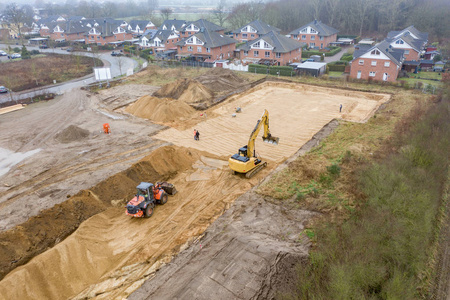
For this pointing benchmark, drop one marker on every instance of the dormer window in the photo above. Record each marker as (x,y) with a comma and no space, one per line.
(256,45)
(266,45)
(399,42)
(375,52)
(313,31)
(304,30)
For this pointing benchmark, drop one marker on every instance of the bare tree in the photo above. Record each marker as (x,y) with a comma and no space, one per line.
(17,16)
(219,13)
(120,62)
(152,6)
(109,9)
(316,7)
(332,8)
(165,13)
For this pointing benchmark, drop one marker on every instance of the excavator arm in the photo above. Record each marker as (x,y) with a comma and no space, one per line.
(267,137)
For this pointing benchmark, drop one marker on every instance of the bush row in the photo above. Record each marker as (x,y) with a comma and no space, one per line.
(272,70)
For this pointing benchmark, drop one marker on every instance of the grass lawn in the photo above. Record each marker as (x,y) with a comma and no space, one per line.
(427,75)
(413,81)
(335,74)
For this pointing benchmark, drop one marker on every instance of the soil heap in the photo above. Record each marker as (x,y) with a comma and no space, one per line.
(221,81)
(71,134)
(188,90)
(162,110)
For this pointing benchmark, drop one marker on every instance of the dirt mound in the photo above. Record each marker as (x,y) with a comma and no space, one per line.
(187,90)
(221,81)
(161,110)
(23,242)
(71,134)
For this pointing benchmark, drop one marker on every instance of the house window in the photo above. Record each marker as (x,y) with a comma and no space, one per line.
(266,45)
(387,63)
(253,35)
(255,53)
(374,63)
(295,36)
(208,50)
(278,55)
(313,31)
(199,49)
(245,53)
(321,38)
(237,34)
(256,45)
(313,37)
(244,35)
(372,74)
(321,45)
(267,54)
(304,30)
(399,42)
(375,52)
(98,38)
(312,45)
(303,37)
(190,48)
(406,51)
(361,62)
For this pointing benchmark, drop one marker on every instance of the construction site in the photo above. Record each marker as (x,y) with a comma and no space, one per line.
(65,184)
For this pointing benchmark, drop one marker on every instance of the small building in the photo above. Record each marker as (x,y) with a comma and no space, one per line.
(429,55)
(315,69)
(368,42)
(315,34)
(411,66)
(439,66)
(426,64)
(196,26)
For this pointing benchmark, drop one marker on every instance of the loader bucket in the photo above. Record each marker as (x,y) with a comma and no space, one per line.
(271,140)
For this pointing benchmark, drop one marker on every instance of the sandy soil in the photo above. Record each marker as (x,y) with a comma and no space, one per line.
(111,255)
(60,169)
(296,113)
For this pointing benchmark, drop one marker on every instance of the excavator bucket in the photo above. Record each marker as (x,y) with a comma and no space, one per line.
(271,140)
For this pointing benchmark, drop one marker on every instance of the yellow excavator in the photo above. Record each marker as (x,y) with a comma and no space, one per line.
(245,161)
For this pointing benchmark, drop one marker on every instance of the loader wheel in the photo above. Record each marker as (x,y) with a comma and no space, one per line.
(163,199)
(148,211)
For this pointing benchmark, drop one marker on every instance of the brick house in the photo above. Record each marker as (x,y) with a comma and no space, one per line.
(174,25)
(406,42)
(315,34)
(107,33)
(161,40)
(379,62)
(70,31)
(411,31)
(138,27)
(195,27)
(273,48)
(206,45)
(253,30)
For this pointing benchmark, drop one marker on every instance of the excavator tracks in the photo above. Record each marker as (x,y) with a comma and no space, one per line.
(256,170)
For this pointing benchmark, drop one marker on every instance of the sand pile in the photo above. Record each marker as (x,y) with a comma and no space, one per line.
(221,81)
(162,110)
(71,134)
(187,90)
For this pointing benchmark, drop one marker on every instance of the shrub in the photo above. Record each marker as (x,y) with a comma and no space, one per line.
(16,49)
(34,52)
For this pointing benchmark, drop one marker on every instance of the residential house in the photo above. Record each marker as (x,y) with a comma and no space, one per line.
(70,31)
(175,25)
(379,62)
(431,54)
(426,64)
(413,32)
(160,41)
(406,42)
(138,27)
(272,48)
(108,33)
(206,45)
(439,66)
(315,34)
(253,30)
(195,27)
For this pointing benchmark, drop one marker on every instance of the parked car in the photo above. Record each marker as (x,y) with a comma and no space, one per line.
(3,53)
(15,55)
(3,90)
(70,49)
(116,53)
(43,46)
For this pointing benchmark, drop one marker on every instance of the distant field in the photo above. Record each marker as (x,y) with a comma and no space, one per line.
(40,71)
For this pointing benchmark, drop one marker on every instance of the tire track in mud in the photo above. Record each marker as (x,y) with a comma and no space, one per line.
(111,252)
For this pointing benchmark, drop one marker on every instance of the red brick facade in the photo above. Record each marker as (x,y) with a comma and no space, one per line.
(375,67)
(245,36)
(103,40)
(223,52)
(282,58)
(314,40)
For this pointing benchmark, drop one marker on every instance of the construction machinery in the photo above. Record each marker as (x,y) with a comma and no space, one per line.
(246,161)
(143,203)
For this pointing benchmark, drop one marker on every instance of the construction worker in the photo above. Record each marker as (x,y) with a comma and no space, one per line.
(195,134)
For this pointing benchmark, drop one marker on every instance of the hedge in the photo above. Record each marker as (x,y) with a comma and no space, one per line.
(273,70)
(338,66)
(308,53)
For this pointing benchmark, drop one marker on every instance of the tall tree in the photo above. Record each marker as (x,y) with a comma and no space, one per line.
(219,13)
(165,13)
(109,9)
(17,17)
(152,5)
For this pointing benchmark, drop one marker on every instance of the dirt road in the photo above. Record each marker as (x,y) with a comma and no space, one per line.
(55,169)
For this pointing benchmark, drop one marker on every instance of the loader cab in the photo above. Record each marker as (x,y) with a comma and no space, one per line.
(145,189)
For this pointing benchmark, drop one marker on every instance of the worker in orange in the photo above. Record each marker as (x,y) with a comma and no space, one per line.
(195,134)
(106,128)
